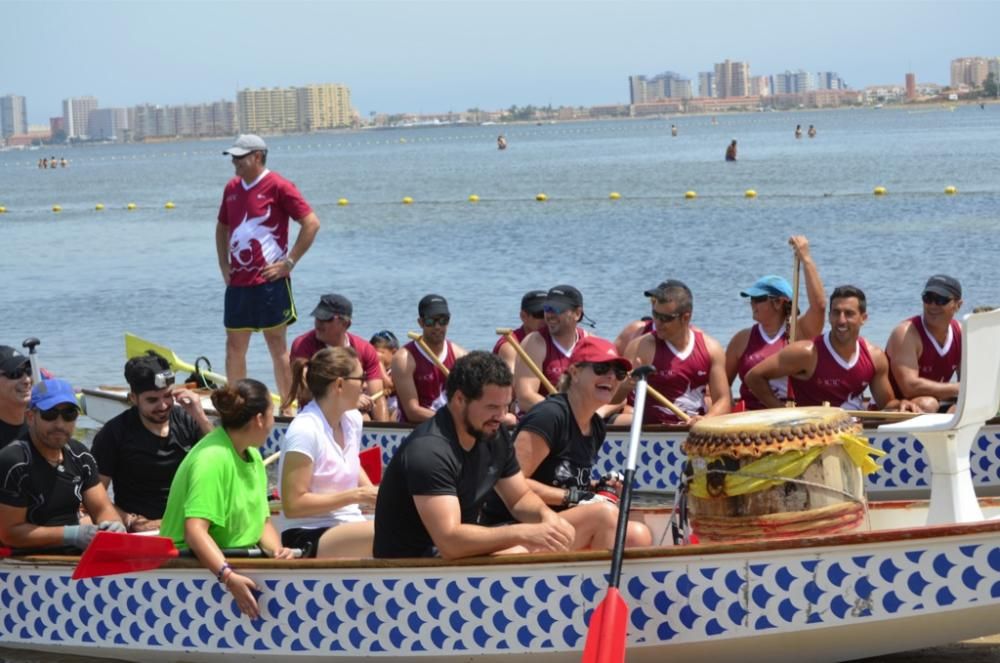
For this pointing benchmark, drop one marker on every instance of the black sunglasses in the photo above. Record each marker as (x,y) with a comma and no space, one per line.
(760,299)
(440,321)
(666,317)
(603,367)
(934,298)
(68,414)
(18,373)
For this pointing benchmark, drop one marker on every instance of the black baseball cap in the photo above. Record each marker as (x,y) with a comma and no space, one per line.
(944,285)
(563,297)
(11,359)
(660,291)
(149,372)
(432,305)
(533,301)
(332,305)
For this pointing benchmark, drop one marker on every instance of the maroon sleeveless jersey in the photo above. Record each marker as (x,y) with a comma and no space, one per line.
(428,378)
(555,362)
(681,377)
(519,334)
(758,349)
(836,381)
(936,362)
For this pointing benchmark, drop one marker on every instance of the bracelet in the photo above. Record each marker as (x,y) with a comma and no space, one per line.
(129,521)
(222,571)
(289,262)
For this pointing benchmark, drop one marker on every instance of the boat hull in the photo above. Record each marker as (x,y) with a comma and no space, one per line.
(821,599)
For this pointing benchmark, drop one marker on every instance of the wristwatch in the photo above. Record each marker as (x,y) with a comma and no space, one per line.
(289,262)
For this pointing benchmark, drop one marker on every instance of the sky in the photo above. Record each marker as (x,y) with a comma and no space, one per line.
(419,56)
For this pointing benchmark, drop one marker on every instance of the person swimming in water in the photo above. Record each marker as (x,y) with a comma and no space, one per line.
(798,131)
(731,151)
(501,142)
(673,130)
(812,131)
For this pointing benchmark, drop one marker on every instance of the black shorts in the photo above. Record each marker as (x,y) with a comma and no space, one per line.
(306,539)
(258,307)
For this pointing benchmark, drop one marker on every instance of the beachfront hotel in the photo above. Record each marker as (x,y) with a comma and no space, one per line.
(294,109)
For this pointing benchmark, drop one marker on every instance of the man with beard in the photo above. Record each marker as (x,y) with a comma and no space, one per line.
(435,485)
(45,478)
(15,393)
(141,448)
(835,367)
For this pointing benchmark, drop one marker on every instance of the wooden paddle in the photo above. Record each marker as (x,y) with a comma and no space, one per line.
(794,317)
(883,415)
(423,346)
(608,625)
(666,402)
(509,335)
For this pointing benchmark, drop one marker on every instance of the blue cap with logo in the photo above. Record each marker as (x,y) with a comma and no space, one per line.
(47,394)
(769,286)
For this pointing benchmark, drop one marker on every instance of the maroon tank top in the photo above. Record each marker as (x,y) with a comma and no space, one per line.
(682,379)
(758,349)
(555,362)
(935,362)
(519,334)
(835,381)
(428,378)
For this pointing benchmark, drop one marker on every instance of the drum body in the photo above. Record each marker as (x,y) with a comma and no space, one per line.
(774,473)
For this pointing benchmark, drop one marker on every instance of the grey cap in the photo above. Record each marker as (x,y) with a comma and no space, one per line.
(332,305)
(245,144)
(944,285)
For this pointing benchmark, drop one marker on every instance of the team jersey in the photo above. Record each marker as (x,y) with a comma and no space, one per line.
(306,345)
(936,362)
(518,334)
(835,381)
(760,347)
(257,217)
(681,376)
(428,379)
(556,359)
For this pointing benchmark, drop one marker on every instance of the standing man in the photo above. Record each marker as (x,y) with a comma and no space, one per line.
(434,488)
(140,449)
(420,382)
(835,367)
(332,319)
(687,361)
(551,346)
(731,151)
(925,351)
(532,319)
(15,394)
(45,477)
(251,239)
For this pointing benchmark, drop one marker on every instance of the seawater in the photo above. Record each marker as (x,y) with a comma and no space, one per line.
(81,278)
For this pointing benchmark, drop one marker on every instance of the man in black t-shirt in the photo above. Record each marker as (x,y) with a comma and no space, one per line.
(44,479)
(432,491)
(15,393)
(141,448)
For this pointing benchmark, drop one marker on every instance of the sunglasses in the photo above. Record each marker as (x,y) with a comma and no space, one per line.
(236,158)
(68,414)
(18,373)
(603,368)
(548,308)
(666,317)
(388,337)
(760,299)
(439,321)
(933,298)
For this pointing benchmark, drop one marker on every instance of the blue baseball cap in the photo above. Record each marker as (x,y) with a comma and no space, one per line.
(52,392)
(769,286)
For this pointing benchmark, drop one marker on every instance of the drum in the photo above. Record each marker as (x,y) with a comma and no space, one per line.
(777,473)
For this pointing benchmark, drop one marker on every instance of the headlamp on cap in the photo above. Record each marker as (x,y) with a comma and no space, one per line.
(163,379)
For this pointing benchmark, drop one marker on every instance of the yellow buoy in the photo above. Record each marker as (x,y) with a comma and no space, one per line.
(614,195)
(407,200)
(3,210)
(99,206)
(541,197)
(342,202)
(750,193)
(879,191)
(473,198)
(690,195)
(169,205)
(130,206)
(402,140)
(56,208)
(950,190)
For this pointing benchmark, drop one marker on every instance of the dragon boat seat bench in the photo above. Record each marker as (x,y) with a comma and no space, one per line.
(948,438)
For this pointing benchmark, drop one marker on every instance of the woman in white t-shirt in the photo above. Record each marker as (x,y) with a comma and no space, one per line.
(322,483)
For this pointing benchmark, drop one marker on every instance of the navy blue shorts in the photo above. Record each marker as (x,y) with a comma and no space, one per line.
(258,307)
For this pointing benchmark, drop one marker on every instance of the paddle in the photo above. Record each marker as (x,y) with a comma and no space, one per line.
(606,634)
(794,317)
(883,415)
(509,335)
(36,371)
(423,346)
(111,553)
(371,463)
(666,402)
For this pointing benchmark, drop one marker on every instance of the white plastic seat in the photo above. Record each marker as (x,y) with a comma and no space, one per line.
(948,438)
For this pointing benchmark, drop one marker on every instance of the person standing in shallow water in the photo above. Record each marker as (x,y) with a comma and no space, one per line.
(731,151)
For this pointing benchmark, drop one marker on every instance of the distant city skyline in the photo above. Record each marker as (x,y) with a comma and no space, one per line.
(439,56)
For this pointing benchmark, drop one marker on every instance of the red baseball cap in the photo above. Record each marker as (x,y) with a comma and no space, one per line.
(596,350)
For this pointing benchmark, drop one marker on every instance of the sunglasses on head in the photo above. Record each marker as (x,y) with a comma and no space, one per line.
(666,317)
(934,298)
(602,368)
(18,373)
(387,336)
(68,414)
(438,320)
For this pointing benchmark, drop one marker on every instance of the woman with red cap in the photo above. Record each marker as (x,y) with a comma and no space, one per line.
(557,444)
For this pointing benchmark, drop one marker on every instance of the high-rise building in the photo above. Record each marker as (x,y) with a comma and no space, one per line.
(911,87)
(706,84)
(76,114)
(760,86)
(107,123)
(969,72)
(668,85)
(829,80)
(795,82)
(13,115)
(305,108)
(732,79)
(323,106)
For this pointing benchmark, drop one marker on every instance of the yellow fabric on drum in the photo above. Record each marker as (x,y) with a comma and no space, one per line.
(861,452)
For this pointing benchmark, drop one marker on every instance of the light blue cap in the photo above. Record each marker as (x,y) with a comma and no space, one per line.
(769,286)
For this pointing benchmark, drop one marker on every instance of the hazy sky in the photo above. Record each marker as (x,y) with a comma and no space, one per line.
(437,56)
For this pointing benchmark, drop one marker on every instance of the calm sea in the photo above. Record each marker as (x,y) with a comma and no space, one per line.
(81,278)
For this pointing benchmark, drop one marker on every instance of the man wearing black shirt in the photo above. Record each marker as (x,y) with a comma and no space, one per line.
(15,393)
(141,448)
(43,479)
(432,491)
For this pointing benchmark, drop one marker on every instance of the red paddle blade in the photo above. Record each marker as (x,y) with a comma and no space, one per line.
(111,553)
(606,635)
(371,463)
